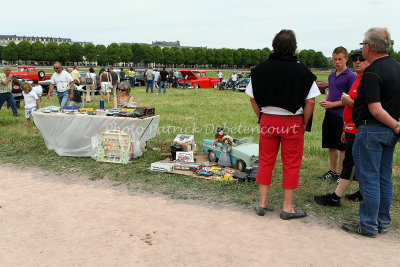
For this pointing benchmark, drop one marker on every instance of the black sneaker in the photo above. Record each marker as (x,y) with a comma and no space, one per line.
(327,200)
(328,175)
(355,197)
(356,229)
(335,178)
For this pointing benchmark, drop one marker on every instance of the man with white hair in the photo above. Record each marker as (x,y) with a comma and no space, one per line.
(5,90)
(376,115)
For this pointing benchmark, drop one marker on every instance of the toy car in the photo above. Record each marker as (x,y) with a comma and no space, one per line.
(244,155)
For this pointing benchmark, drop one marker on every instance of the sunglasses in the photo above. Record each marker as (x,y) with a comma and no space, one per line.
(122,90)
(56,68)
(361,59)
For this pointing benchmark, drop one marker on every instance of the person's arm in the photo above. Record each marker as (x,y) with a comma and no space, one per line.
(381,115)
(50,90)
(101,76)
(346,100)
(115,102)
(131,99)
(308,110)
(256,108)
(38,103)
(71,86)
(110,78)
(7,80)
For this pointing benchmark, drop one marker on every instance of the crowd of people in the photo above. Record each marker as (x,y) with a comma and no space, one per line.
(360,128)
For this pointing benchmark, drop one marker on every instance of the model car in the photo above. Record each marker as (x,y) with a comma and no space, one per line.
(244,155)
(197,79)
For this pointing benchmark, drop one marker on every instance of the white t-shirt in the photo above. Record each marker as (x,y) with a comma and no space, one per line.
(156,74)
(234,77)
(38,90)
(91,75)
(61,81)
(220,75)
(30,99)
(314,91)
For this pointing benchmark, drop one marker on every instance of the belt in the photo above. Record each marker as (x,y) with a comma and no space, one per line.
(276,115)
(366,122)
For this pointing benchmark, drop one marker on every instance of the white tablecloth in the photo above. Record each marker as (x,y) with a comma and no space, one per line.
(71,135)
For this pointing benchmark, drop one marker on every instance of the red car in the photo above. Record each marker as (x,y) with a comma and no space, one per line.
(197,79)
(323,87)
(29,72)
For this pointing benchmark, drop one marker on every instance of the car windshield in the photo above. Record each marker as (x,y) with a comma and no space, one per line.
(22,69)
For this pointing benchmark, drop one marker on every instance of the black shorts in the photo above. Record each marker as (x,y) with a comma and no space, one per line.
(348,162)
(332,128)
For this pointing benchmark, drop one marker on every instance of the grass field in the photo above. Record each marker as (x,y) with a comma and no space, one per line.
(181,111)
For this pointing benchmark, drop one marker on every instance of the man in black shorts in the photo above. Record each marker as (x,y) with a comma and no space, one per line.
(340,82)
(349,132)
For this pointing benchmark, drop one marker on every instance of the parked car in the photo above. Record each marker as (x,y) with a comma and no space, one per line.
(244,155)
(241,85)
(29,72)
(197,79)
(323,87)
(140,78)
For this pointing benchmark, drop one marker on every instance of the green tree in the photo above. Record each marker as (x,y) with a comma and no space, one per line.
(76,52)
(237,57)
(137,52)
(101,52)
(113,52)
(255,57)
(10,52)
(179,57)
(38,51)
(1,52)
(227,55)
(246,57)
(201,55)
(219,57)
(158,55)
(24,51)
(169,55)
(189,56)
(90,53)
(264,53)
(52,52)
(65,52)
(211,56)
(321,61)
(148,53)
(125,53)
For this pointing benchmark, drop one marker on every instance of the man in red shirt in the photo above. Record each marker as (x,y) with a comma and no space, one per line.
(348,135)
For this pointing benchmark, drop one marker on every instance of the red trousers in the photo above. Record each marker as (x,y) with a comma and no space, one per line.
(288,132)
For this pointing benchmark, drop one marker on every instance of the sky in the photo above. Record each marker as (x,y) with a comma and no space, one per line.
(319,25)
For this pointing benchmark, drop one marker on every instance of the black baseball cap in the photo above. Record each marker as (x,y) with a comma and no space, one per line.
(357,53)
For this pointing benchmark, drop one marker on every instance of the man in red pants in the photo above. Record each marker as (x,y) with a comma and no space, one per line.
(282,93)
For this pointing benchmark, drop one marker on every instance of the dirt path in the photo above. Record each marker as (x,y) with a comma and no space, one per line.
(48,220)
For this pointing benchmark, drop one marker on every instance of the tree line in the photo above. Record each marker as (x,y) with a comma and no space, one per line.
(143,53)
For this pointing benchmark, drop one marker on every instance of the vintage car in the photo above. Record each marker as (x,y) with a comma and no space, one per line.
(323,87)
(241,85)
(244,155)
(29,72)
(197,79)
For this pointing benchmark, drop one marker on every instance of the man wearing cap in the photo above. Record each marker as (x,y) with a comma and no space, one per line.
(282,93)
(376,114)
(340,82)
(348,135)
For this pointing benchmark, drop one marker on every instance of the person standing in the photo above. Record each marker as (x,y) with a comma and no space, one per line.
(5,90)
(131,74)
(156,77)
(348,135)
(163,80)
(220,77)
(376,114)
(90,87)
(150,80)
(340,82)
(30,101)
(114,81)
(282,93)
(122,75)
(234,78)
(105,81)
(76,75)
(64,84)
(170,77)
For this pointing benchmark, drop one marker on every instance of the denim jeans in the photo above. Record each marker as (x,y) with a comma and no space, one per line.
(233,85)
(63,98)
(373,157)
(9,98)
(162,84)
(151,84)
